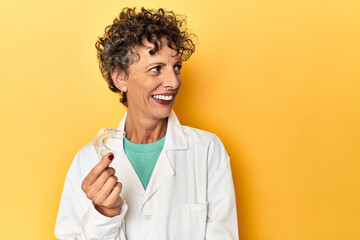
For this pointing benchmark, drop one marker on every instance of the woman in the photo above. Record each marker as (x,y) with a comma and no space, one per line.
(165,181)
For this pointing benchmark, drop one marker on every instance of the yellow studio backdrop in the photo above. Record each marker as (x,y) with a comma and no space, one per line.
(278,81)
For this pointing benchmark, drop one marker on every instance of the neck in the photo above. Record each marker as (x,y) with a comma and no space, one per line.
(144,130)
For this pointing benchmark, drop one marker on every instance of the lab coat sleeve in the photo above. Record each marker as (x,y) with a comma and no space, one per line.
(77,218)
(222,216)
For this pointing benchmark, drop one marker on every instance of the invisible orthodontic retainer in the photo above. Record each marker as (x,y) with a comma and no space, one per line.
(103,136)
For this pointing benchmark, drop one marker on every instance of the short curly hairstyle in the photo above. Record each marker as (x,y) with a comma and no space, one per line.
(115,49)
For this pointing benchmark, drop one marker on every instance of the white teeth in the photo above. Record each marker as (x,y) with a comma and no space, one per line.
(163,97)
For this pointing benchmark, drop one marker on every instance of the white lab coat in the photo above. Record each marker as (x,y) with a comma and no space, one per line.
(190,194)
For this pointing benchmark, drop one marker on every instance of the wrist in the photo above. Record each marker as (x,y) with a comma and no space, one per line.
(108,212)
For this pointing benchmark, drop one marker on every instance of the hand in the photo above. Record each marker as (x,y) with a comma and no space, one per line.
(103,188)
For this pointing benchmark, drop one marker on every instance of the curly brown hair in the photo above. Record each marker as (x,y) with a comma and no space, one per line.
(115,49)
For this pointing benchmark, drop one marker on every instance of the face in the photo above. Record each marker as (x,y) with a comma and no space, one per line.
(152,83)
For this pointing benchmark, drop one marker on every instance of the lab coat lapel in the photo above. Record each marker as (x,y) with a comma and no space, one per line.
(127,175)
(124,170)
(163,171)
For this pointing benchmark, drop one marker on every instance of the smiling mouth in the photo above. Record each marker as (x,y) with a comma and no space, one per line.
(163,97)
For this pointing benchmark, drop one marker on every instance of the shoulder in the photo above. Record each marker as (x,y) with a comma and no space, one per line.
(85,159)
(199,134)
(200,138)
(88,152)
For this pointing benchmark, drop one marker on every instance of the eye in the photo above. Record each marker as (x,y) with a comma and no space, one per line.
(177,68)
(155,69)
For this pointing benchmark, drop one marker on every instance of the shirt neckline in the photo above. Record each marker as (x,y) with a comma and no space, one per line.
(148,147)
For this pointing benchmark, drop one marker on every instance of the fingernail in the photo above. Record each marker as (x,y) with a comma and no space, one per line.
(111,157)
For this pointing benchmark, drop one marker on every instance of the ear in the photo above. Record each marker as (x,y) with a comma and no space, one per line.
(119,77)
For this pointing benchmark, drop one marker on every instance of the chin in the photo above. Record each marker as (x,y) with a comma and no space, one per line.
(163,113)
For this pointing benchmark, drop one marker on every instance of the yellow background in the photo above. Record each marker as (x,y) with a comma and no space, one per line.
(278,81)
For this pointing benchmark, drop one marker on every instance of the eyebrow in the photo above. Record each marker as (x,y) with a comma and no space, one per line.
(160,63)
(155,63)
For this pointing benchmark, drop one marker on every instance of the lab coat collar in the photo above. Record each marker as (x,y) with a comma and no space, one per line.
(175,137)
(163,171)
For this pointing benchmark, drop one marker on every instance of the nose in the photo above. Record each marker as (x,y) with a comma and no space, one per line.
(172,80)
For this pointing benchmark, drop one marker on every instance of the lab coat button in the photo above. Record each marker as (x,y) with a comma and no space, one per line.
(147,215)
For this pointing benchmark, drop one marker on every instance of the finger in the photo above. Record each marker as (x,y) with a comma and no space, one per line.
(99,168)
(101,180)
(114,195)
(107,188)
(114,200)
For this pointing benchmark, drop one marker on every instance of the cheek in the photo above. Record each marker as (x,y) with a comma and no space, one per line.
(180,81)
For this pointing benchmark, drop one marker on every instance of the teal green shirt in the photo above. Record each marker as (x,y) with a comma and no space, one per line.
(143,157)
